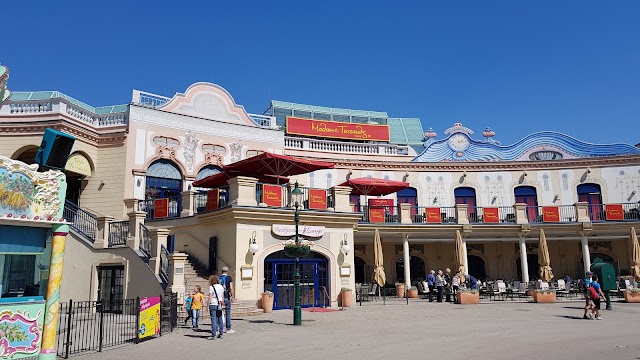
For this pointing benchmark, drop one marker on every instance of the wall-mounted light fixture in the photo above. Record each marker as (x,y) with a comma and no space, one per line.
(525,174)
(435,199)
(493,201)
(253,246)
(139,182)
(464,174)
(588,170)
(344,245)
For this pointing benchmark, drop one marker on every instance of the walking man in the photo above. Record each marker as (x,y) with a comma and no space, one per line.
(229,296)
(431,282)
(587,294)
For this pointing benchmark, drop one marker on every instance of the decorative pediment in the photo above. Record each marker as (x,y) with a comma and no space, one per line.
(209,101)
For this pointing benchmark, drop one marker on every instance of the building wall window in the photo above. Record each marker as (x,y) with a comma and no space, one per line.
(214,149)
(165,141)
(527,195)
(252,153)
(467,195)
(592,194)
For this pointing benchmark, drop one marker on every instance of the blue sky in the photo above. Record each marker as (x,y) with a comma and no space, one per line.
(516,66)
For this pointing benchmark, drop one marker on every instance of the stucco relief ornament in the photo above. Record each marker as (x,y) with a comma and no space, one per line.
(166,152)
(488,136)
(236,151)
(213,159)
(190,145)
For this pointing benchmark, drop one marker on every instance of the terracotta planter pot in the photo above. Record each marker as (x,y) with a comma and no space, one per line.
(346,298)
(400,290)
(412,293)
(267,302)
(468,298)
(544,298)
(631,297)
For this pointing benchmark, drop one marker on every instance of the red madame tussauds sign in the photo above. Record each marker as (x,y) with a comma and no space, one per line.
(338,130)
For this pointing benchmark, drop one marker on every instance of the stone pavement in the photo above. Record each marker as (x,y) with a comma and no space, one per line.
(490,330)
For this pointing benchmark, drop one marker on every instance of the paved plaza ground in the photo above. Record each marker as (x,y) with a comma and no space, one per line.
(490,330)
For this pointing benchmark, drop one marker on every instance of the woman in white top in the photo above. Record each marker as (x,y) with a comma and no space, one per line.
(216,304)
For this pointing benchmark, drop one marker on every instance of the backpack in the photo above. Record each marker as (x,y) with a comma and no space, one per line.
(594,293)
(223,282)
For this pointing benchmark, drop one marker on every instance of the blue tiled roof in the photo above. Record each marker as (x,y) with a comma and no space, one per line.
(45,95)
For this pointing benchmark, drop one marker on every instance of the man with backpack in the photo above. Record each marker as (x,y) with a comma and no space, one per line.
(596,292)
(229,295)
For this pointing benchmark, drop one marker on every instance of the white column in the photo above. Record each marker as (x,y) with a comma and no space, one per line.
(524,263)
(586,256)
(407,263)
(466,258)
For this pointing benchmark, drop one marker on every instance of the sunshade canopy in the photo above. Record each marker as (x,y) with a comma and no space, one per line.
(635,254)
(277,165)
(374,187)
(220,179)
(543,259)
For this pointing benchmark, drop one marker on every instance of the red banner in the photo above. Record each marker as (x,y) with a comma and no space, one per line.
(614,212)
(380,202)
(318,199)
(433,215)
(550,214)
(337,130)
(272,195)
(376,215)
(160,208)
(491,215)
(213,197)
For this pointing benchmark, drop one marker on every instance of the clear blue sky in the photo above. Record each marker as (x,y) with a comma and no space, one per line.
(516,66)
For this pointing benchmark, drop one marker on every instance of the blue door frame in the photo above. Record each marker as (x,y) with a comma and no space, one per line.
(283,290)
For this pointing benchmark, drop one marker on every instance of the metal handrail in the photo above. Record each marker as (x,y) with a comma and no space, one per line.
(164,263)
(81,220)
(145,241)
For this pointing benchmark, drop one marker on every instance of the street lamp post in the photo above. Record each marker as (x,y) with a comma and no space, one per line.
(296,198)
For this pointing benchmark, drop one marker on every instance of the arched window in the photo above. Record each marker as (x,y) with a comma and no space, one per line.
(527,195)
(164,181)
(591,194)
(408,195)
(467,195)
(207,171)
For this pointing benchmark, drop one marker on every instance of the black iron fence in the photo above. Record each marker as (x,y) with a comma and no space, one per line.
(174,202)
(118,233)
(85,326)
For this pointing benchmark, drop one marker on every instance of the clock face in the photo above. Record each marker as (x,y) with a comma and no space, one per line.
(458,142)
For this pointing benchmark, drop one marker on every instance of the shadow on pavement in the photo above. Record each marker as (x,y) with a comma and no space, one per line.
(571,317)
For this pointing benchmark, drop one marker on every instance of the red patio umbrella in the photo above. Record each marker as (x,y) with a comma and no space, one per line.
(277,165)
(374,187)
(220,179)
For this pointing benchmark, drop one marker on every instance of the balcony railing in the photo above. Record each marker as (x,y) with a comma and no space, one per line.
(478,215)
(201,198)
(344,146)
(175,202)
(380,214)
(447,215)
(631,211)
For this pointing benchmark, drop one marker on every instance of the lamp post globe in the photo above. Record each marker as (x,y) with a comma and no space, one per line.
(346,248)
(254,247)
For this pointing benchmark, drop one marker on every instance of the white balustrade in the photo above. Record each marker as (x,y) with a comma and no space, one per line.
(346,147)
(76,112)
(31,107)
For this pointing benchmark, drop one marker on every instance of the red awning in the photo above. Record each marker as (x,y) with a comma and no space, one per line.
(277,165)
(220,179)
(374,187)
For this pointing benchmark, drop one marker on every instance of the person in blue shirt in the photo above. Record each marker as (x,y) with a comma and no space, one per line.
(187,304)
(596,294)
(472,283)
(431,281)
(588,305)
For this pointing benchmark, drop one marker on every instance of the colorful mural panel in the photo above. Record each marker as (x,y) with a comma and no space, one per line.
(21,329)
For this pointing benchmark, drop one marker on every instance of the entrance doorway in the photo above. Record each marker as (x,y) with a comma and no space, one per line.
(417,269)
(111,288)
(279,273)
(532,262)
(477,267)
